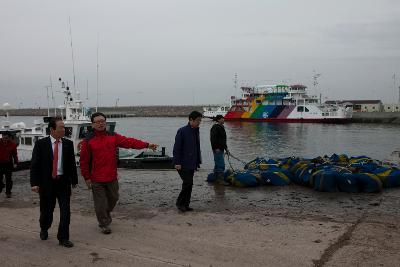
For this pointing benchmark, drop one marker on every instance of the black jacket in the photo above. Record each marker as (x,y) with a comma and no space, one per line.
(187,148)
(42,165)
(218,137)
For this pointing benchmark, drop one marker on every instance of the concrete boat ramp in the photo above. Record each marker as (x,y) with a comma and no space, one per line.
(264,226)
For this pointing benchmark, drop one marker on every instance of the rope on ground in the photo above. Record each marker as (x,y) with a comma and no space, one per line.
(229,155)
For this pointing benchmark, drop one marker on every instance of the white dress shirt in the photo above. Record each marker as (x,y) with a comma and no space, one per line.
(59,163)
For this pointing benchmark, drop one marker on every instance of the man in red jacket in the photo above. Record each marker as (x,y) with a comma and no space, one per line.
(8,161)
(98,163)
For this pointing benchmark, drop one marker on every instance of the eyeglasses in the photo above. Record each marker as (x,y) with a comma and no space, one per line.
(99,122)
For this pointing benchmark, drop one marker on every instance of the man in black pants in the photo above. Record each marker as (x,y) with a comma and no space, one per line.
(53,171)
(187,158)
(218,145)
(8,161)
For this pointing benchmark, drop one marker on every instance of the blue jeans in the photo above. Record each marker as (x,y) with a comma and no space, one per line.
(219,163)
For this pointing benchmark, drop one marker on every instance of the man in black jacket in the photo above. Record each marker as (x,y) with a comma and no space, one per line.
(218,145)
(187,158)
(53,171)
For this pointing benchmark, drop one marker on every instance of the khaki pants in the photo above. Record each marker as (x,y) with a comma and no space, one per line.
(105,197)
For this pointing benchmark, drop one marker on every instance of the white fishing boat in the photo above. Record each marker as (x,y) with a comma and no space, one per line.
(77,125)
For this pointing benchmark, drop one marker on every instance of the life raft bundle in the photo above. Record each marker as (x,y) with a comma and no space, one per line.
(326,174)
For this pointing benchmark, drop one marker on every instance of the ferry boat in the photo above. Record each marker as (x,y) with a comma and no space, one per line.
(283,103)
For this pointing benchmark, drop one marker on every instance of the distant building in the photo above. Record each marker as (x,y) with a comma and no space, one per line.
(361,105)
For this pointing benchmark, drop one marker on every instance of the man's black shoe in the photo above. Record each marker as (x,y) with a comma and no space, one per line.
(66,243)
(189,208)
(181,208)
(44,235)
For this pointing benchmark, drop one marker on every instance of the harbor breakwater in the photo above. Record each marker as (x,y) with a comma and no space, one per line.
(183,111)
(118,112)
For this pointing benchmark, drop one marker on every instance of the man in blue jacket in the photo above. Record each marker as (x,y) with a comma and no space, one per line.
(187,158)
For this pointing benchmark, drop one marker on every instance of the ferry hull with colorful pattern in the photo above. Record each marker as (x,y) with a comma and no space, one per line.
(286,113)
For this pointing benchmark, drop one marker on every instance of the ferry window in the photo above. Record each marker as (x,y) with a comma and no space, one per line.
(84,130)
(300,109)
(111,128)
(68,132)
(388,107)
(397,107)
(258,102)
(22,141)
(373,107)
(28,141)
(306,109)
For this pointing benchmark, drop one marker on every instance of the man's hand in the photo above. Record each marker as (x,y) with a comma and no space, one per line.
(217,150)
(35,189)
(89,184)
(227,151)
(153,147)
(178,167)
(15,165)
(74,186)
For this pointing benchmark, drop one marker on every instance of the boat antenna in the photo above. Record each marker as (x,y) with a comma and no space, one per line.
(54,102)
(52,97)
(48,100)
(87,89)
(315,83)
(97,74)
(72,53)
(394,84)
(235,82)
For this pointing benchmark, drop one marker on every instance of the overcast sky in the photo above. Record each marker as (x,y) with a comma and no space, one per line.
(182,52)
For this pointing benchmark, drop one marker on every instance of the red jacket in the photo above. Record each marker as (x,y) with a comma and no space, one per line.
(8,152)
(98,156)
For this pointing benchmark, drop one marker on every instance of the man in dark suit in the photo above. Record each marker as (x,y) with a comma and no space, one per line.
(53,171)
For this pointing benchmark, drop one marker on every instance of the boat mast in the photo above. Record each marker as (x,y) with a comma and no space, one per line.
(72,54)
(97,74)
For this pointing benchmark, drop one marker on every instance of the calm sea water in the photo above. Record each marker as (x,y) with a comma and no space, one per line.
(249,140)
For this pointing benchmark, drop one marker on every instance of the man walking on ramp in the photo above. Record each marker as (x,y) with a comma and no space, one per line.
(98,161)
